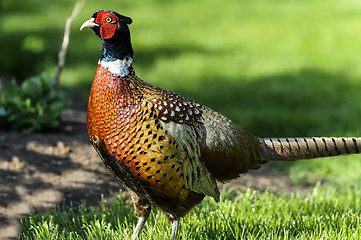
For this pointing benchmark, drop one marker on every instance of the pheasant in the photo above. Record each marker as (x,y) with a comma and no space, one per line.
(167,150)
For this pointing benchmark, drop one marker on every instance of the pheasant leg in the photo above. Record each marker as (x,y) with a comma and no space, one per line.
(175,226)
(142,210)
(139,226)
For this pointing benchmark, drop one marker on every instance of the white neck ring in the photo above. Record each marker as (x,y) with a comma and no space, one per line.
(118,67)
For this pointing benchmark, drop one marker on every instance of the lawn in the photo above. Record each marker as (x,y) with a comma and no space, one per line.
(278,68)
(322,214)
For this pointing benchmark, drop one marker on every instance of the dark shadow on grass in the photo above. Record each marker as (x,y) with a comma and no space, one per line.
(304,103)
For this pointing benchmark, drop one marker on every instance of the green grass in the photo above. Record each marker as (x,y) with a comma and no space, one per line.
(322,214)
(278,68)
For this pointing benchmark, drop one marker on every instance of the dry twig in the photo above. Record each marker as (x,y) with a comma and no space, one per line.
(64,46)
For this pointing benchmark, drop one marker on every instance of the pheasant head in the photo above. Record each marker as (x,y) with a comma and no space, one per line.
(112,29)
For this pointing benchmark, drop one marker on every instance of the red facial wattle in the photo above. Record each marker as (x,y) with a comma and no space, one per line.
(107,30)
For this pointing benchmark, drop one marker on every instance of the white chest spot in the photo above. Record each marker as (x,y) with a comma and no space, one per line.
(119,67)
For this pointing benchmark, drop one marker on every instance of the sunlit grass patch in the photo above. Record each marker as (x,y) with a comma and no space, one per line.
(321,214)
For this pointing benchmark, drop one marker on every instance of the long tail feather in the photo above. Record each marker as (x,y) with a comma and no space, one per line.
(290,149)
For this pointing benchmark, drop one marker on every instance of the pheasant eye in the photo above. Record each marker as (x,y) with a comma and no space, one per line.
(108,19)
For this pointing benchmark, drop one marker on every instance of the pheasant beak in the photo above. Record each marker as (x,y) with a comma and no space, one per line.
(89,24)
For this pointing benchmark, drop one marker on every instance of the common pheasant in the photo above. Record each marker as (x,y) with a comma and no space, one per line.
(167,150)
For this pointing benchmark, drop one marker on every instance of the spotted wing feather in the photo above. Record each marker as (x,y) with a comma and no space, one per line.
(173,108)
(182,119)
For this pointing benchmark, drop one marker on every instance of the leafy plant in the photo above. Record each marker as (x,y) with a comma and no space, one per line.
(33,106)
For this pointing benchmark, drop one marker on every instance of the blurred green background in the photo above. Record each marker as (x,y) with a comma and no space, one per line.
(278,68)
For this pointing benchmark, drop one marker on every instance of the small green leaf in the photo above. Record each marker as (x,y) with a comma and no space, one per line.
(32,87)
(10,93)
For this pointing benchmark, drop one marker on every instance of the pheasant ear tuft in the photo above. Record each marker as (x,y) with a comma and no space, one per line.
(127,20)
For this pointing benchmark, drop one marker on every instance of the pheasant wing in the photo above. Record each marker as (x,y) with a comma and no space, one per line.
(182,119)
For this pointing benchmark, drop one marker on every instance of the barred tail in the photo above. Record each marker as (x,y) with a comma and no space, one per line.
(290,149)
